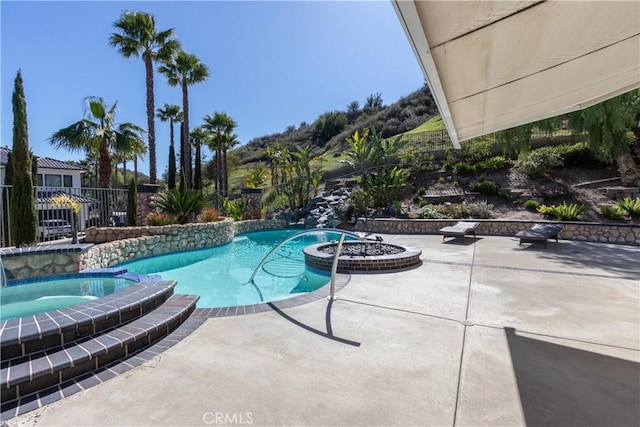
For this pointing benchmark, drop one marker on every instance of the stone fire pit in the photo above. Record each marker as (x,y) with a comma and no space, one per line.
(363,256)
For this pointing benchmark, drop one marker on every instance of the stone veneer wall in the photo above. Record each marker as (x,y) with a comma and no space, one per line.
(627,234)
(251,225)
(36,265)
(169,238)
(137,242)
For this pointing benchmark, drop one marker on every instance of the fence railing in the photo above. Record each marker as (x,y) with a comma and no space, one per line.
(439,141)
(98,207)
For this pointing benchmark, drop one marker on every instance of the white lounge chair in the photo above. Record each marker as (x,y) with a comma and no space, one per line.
(459,229)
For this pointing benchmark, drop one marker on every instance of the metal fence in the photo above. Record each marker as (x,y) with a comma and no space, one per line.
(98,207)
(438,141)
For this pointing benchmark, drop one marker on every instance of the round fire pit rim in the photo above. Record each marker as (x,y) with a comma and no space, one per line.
(407,259)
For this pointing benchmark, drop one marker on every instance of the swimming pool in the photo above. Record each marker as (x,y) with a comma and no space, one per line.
(31,297)
(219,275)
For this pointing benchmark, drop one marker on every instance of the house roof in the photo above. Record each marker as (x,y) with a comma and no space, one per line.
(46,197)
(43,162)
(493,65)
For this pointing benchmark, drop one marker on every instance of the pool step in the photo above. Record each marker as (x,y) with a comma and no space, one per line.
(32,334)
(30,374)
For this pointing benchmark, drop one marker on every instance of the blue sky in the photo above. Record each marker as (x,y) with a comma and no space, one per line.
(272,64)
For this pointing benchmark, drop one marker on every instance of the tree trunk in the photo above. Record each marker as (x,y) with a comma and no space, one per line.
(186,152)
(135,169)
(225,173)
(151,126)
(124,171)
(629,170)
(104,165)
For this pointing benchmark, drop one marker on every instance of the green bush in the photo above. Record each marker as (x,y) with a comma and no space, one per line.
(433,212)
(487,188)
(236,209)
(480,209)
(493,163)
(612,212)
(563,212)
(531,204)
(504,194)
(457,210)
(181,203)
(159,219)
(476,150)
(462,168)
(539,162)
(631,206)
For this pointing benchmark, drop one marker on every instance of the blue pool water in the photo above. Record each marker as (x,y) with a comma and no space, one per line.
(55,293)
(220,274)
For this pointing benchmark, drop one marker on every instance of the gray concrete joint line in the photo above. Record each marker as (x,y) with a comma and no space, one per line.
(462,322)
(464,337)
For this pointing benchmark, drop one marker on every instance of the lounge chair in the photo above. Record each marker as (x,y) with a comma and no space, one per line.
(539,233)
(459,229)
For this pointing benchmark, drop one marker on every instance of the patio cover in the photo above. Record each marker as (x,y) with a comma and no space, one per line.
(493,65)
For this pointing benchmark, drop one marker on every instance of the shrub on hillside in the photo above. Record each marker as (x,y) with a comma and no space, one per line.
(531,204)
(538,163)
(612,212)
(564,212)
(487,188)
(493,163)
(462,168)
(159,219)
(480,209)
(631,206)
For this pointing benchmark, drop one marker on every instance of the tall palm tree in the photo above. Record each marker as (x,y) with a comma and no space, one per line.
(198,137)
(172,114)
(185,70)
(220,126)
(228,143)
(135,149)
(98,131)
(138,36)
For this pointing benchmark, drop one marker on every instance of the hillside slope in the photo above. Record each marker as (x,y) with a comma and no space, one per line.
(403,115)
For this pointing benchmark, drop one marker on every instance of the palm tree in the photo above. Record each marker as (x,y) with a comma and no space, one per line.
(198,137)
(98,132)
(220,126)
(135,149)
(185,69)
(172,114)
(138,36)
(228,143)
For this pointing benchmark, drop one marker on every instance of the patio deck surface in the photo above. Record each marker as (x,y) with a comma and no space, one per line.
(482,333)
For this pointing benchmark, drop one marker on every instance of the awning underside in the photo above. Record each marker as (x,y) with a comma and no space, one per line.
(496,65)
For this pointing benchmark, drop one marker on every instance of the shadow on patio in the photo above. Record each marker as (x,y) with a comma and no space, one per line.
(559,385)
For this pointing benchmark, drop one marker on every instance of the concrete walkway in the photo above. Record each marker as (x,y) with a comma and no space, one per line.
(482,333)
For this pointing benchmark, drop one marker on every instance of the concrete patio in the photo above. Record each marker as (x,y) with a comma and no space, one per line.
(482,333)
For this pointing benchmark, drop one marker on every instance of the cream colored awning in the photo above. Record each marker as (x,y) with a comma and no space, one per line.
(493,65)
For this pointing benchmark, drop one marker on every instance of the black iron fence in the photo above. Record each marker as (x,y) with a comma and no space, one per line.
(97,207)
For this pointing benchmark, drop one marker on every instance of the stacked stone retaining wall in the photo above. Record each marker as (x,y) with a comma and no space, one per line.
(119,244)
(619,233)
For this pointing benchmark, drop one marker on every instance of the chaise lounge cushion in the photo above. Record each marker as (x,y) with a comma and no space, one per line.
(461,228)
(539,233)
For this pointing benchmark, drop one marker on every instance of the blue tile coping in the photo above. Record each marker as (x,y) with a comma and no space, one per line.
(45,249)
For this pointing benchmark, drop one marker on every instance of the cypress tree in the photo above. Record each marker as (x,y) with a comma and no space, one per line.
(171,178)
(132,204)
(6,198)
(23,204)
